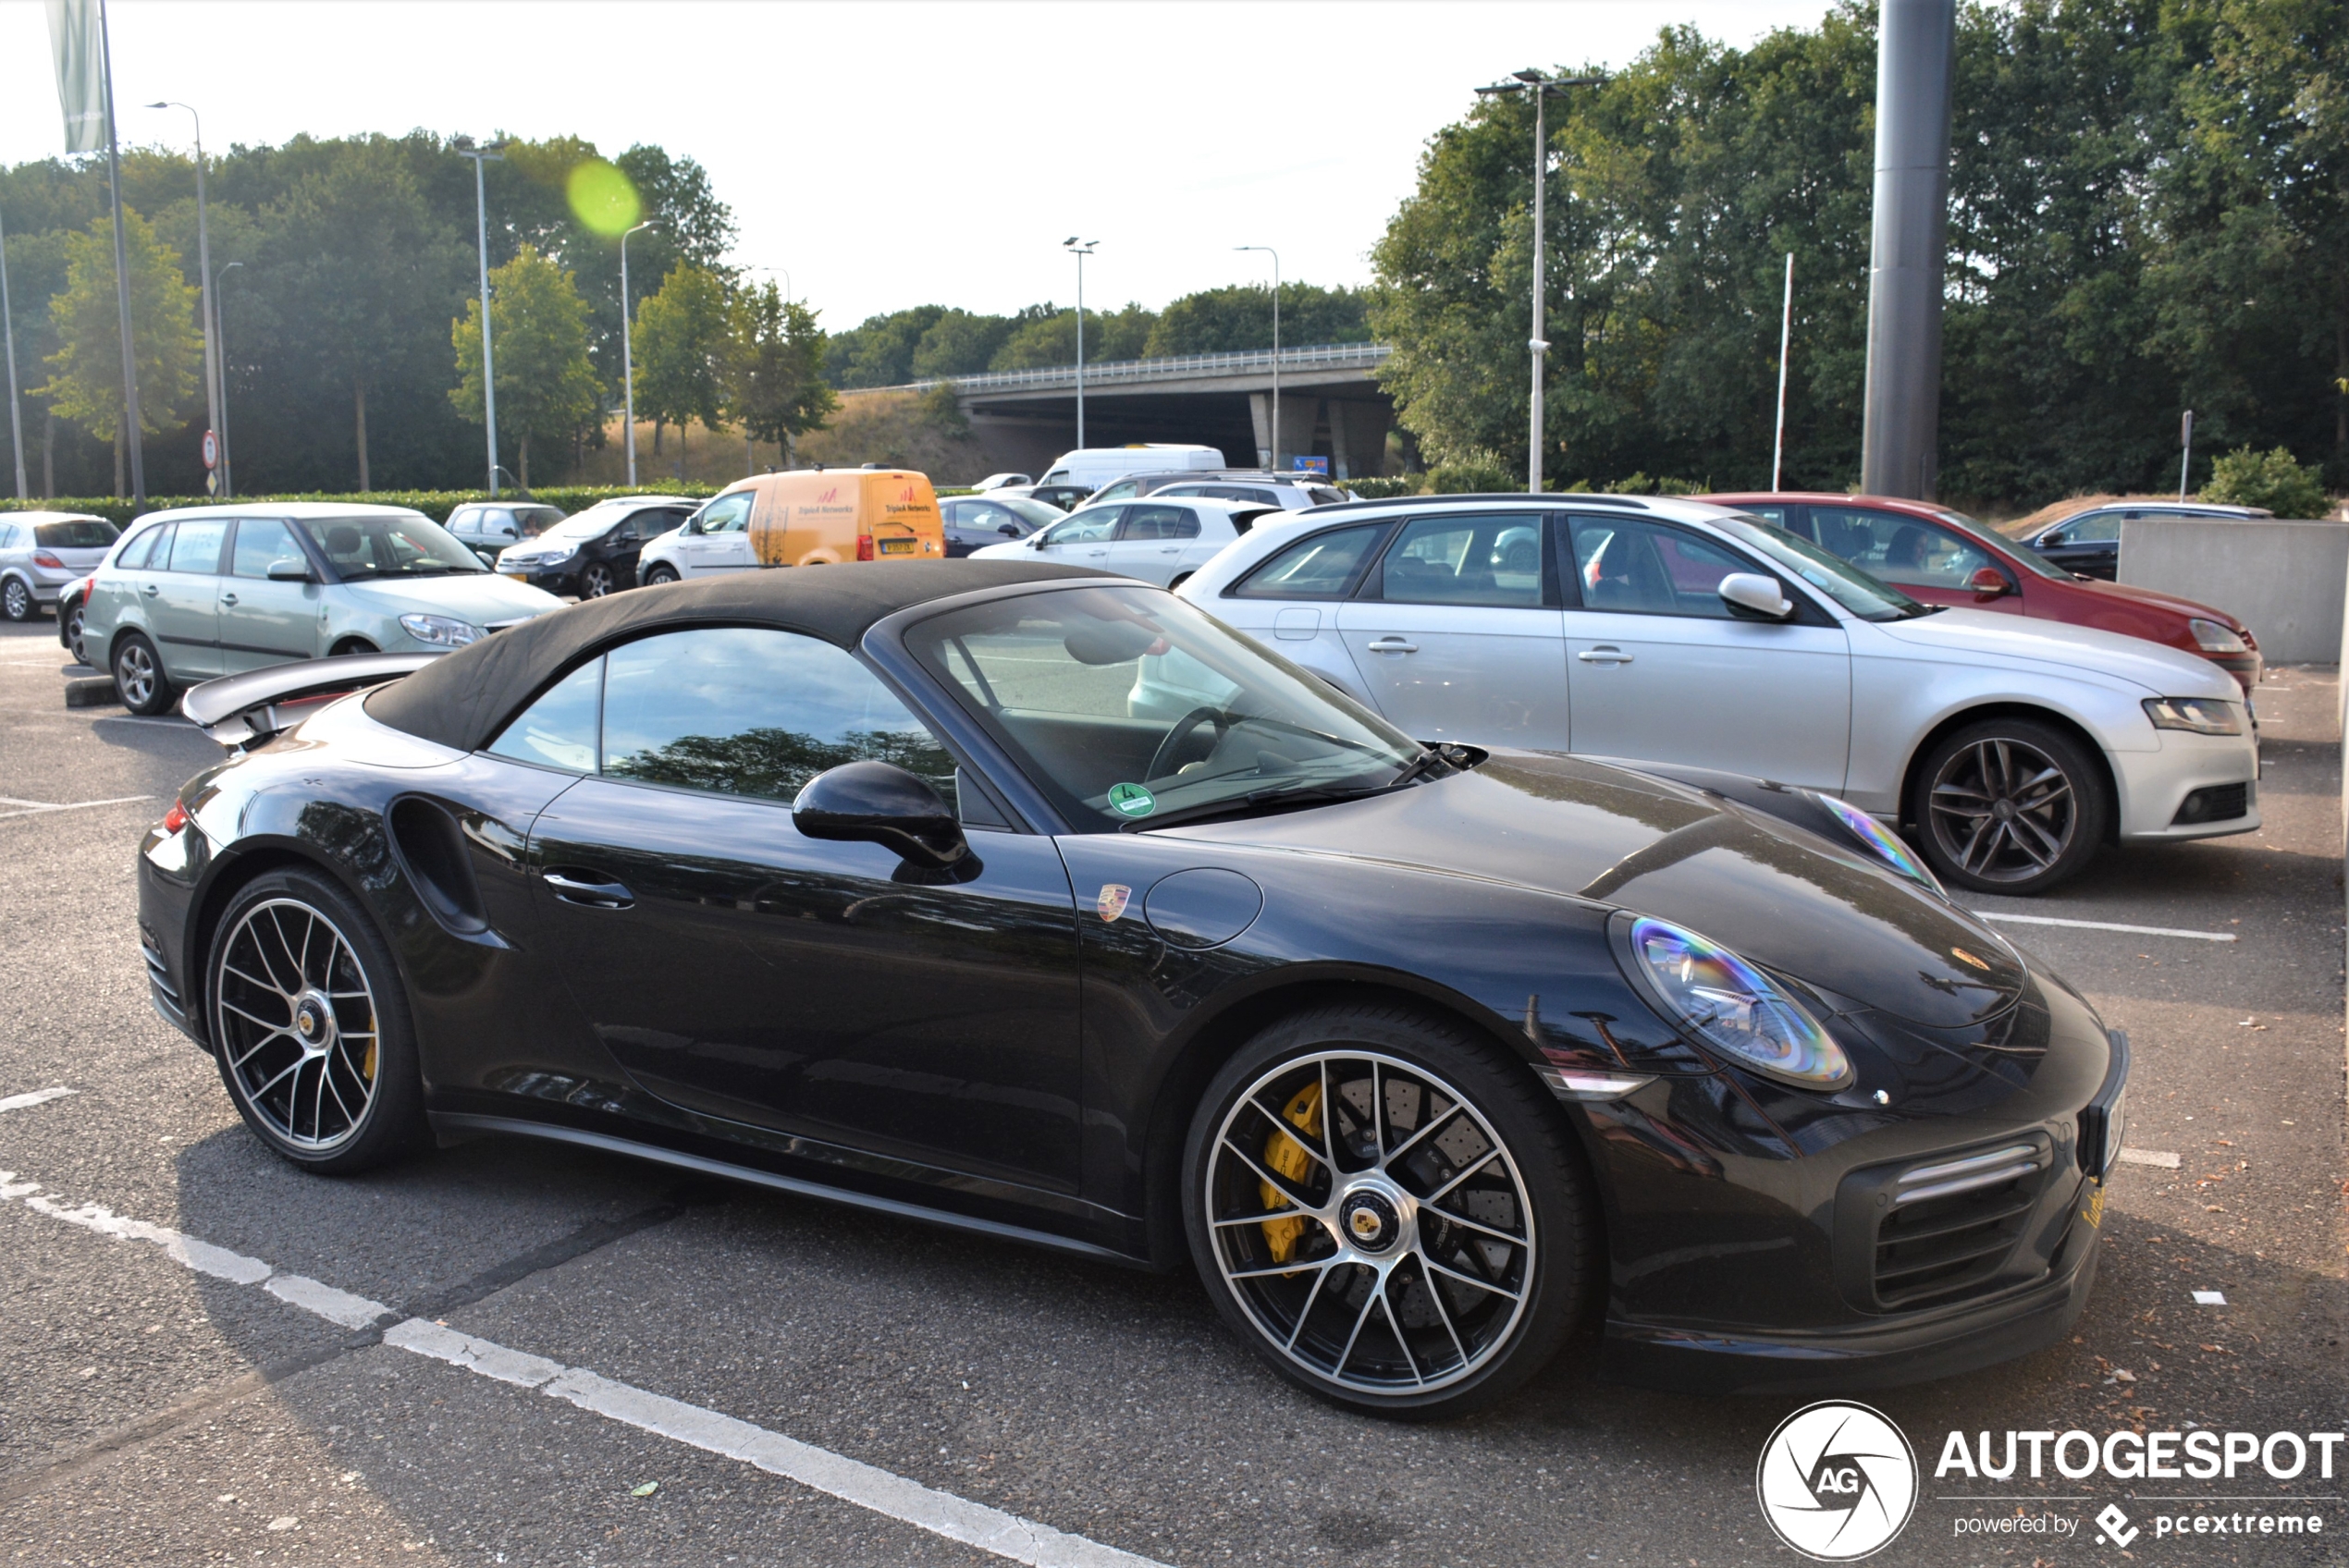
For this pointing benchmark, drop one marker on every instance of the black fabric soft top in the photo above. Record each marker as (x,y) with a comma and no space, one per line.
(462,700)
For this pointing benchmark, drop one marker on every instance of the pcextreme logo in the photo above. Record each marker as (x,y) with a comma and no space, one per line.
(1837,1481)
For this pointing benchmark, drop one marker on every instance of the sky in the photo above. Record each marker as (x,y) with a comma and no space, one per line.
(896,153)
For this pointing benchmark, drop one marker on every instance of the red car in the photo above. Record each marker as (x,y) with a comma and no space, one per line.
(1945,558)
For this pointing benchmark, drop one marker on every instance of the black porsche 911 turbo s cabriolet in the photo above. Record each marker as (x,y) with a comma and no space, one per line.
(868,884)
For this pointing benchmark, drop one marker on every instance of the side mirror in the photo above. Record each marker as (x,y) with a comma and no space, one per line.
(288,571)
(692,525)
(882,803)
(1989,582)
(1009,531)
(2050,541)
(1756,595)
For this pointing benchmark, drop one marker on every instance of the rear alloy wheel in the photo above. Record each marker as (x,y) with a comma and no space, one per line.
(138,678)
(310,1026)
(76,622)
(596,582)
(2010,805)
(659,575)
(1389,1211)
(17,601)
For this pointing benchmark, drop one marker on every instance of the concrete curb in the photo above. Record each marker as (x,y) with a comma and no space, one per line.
(92,692)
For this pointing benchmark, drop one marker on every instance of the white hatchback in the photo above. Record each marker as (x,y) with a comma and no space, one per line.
(1678,633)
(1157,540)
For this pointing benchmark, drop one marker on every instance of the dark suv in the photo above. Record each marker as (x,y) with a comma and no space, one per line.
(594,553)
(2089,542)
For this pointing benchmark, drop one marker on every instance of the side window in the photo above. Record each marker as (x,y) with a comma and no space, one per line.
(746,711)
(1491,559)
(1091,526)
(1786,516)
(464,522)
(261,540)
(1322,567)
(1160,523)
(1123,490)
(2096,528)
(7,537)
(196,547)
(143,550)
(1630,566)
(558,730)
(729,514)
(1895,547)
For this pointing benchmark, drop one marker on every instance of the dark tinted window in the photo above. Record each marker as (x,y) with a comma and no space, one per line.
(1624,564)
(1897,549)
(142,549)
(1146,522)
(1489,558)
(746,711)
(80,534)
(1325,497)
(1319,567)
(260,542)
(196,547)
(558,730)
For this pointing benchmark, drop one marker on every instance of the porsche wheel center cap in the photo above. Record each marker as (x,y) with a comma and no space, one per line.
(314,1021)
(1370,1222)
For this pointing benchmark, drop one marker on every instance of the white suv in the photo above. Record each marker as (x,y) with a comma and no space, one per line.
(1161,542)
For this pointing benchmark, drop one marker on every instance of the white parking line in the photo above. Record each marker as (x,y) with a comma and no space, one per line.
(2104,925)
(38,1097)
(880,1491)
(37,808)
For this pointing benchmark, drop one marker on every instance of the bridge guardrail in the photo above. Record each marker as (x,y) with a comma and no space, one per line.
(1175,367)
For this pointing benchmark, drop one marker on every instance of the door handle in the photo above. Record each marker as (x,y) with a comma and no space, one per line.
(1604,655)
(584,889)
(1097,554)
(150,590)
(228,598)
(1393,645)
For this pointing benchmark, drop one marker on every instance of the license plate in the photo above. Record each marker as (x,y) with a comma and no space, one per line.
(517,576)
(899,546)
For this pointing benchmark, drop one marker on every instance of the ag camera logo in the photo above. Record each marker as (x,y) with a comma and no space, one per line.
(1837,1481)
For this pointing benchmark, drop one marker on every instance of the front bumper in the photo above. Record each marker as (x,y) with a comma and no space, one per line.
(2156,785)
(559,580)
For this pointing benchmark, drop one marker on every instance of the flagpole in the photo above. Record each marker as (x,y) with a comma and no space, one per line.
(1786,339)
(8,325)
(122,275)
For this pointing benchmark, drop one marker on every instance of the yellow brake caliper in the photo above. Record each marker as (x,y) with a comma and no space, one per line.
(1287,1156)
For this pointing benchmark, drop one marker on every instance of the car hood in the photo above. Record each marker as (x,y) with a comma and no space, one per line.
(484,598)
(1783,898)
(1009,550)
(2153,599)
(2163,673)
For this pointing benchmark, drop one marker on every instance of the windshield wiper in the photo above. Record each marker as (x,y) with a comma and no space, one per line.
(1300,795)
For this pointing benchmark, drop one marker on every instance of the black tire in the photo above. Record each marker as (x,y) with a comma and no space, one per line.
(293,942)
(138,678)
(17,601)
(76,622)
(659,575)
(352,645)
(597,582)
(1463,1344)
(2010,805)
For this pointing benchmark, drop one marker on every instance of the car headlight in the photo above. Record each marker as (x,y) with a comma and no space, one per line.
(1887,848)
(2213,638)
(441,630)
(2199,716)
(1735,1007)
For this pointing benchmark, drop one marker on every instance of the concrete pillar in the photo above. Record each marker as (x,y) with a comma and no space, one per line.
(1903,409)
(1300,414)
(1358,438)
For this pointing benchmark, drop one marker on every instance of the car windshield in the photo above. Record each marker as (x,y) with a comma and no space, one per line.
(584,525)
(1129,707)
(1830,574)
(389,546)
(2025,556)
(1036,514)
(76,534)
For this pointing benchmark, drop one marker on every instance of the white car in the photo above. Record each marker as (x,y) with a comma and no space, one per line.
(1161,542)
(43,553)
(713,541)
(1678,632)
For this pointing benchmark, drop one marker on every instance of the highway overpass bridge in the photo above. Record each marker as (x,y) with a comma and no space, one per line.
(1331,407)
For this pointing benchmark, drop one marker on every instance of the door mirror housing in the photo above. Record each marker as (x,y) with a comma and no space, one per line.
(290,572)
(2051,541)
(882,803)
(1755,595)
(1989,582)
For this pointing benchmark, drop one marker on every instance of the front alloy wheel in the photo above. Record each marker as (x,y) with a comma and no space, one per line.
(596,582)
(2009,806)
(1387,1214)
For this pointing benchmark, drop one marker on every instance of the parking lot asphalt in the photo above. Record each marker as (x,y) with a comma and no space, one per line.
(655,1370)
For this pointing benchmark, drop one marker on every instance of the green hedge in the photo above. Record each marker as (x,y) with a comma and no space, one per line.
(435,504)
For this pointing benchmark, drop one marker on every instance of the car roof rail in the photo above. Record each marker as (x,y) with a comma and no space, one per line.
(1548,497)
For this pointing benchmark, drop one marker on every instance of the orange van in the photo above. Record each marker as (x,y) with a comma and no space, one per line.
(809,516)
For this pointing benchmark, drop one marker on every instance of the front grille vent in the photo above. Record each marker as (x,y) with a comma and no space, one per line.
(1950,1224)
(157,971)
(2216,802)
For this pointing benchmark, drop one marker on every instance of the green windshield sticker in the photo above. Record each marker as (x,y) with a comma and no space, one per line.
(1131,799)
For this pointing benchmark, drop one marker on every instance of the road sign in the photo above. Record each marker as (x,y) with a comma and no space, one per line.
(1311,465)
(212,483)
(211,449)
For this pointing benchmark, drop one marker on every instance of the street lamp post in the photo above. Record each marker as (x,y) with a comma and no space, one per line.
(489,360)
(627,356)
(203,270)
(220,329)
(9,328)
(1277,346)
(1081,252)
(1544,89)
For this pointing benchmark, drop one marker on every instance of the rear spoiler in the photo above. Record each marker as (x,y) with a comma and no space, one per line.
(1244,519)
(241,711)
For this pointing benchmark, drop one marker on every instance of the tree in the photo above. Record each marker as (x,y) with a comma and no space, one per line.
(546,384)
(361,269)
(683,337)
(1216,321)
(776,387)
(1050,338)
(87,385)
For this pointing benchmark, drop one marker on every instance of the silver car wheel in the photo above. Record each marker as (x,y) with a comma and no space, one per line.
(76,622)
(596,582)
(296,1024)
(2003,810)
(1370,1223)
(134,671)
(15,600)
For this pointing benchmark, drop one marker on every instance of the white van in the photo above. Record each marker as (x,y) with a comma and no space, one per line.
(1096,466)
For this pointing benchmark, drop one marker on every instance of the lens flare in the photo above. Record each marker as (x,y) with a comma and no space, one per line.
(1872,833)
(1735,1007)
(603,198)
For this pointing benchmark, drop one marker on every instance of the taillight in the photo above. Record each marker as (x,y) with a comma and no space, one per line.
(865,551)
(176,819)
(43,557)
